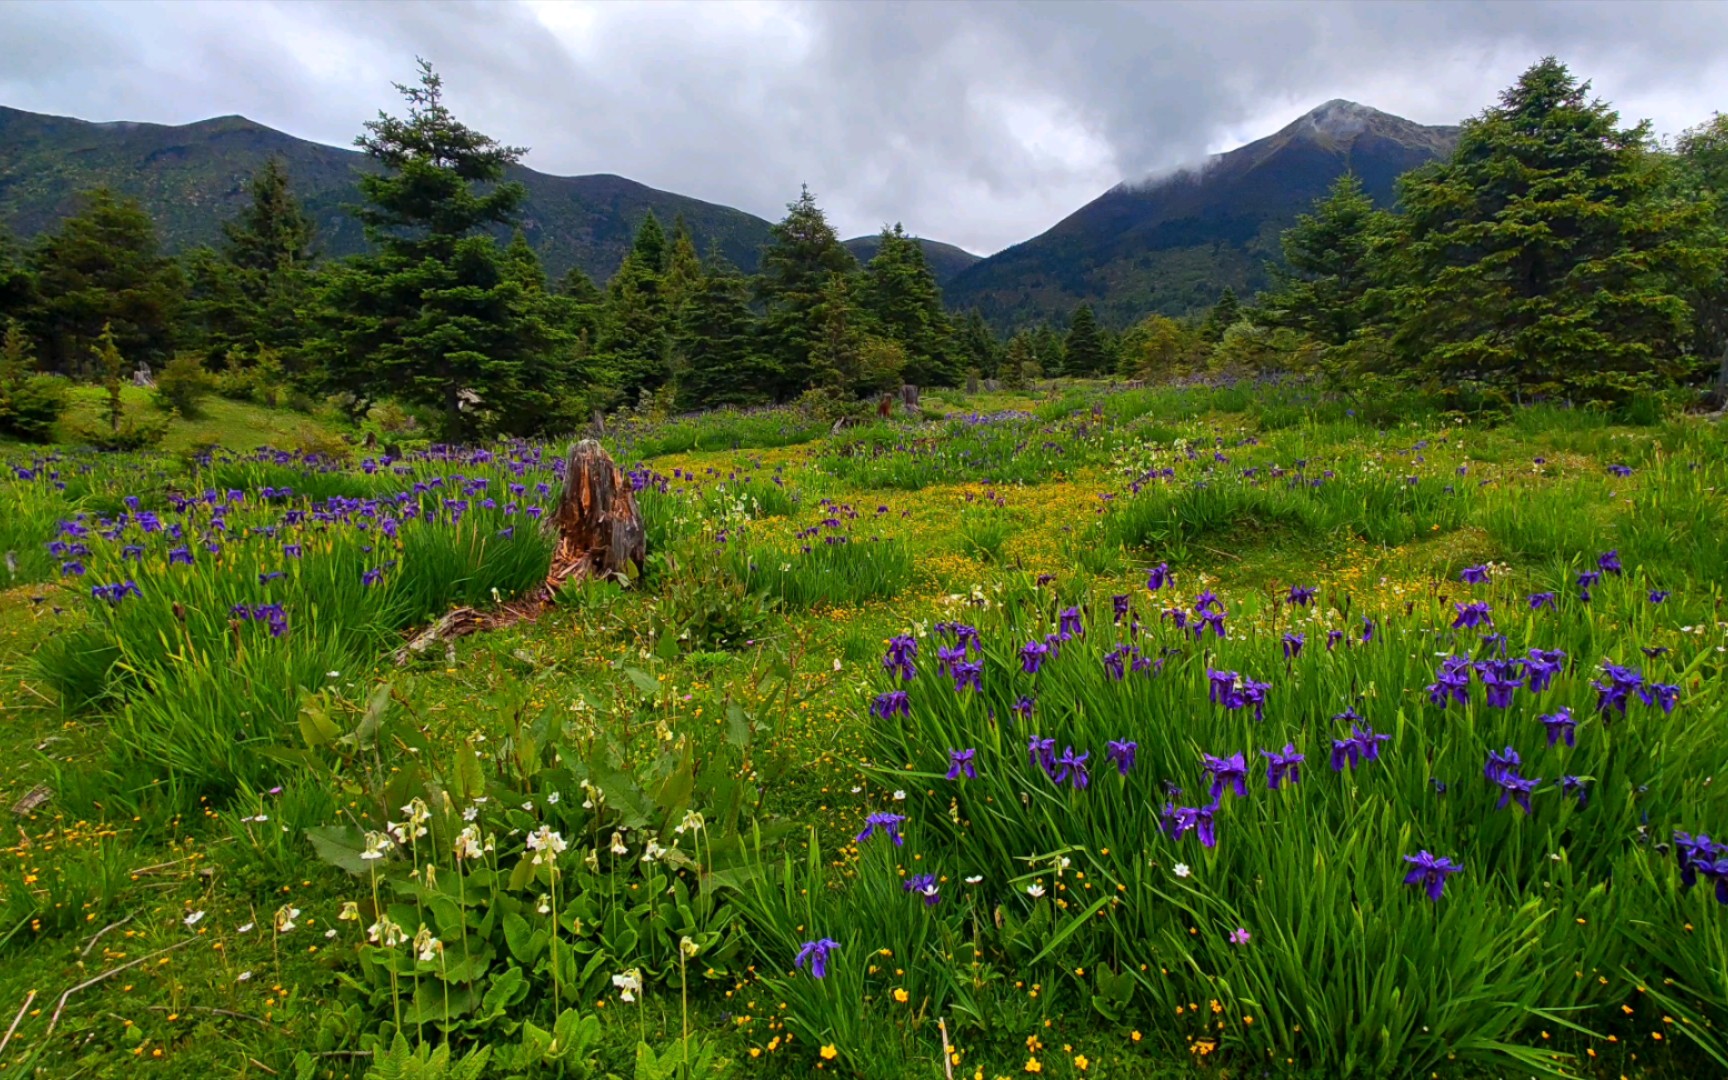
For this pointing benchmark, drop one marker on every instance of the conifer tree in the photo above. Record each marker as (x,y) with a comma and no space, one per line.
(802,254)
(716,344)
(1322,289)
(102,268)
(524,263)
(635,324)
(976,344)
(1702,175)
(578,286)
(1224,314)
(257,294)
(1083,352)
(1019,362)
(1545,256)
(900,296)
(436,315)
(683,267)
(17,285)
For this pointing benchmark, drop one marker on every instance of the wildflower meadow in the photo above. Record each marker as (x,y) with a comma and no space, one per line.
(1234,730)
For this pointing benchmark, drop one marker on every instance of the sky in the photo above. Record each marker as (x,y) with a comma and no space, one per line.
(980,124)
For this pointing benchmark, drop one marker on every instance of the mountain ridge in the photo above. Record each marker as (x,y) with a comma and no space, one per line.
(1172,243)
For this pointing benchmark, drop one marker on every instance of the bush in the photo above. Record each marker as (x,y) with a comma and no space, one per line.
(30,407)
(183,384)
(131,434)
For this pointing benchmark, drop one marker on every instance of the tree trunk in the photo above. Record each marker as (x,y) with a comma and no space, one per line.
(600,531)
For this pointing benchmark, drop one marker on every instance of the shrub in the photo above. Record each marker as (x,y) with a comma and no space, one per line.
(30,407)
(183,384)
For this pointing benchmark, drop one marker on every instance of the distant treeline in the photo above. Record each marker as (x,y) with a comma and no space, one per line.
(1555,255)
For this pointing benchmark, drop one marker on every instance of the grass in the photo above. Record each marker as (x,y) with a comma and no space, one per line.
(209,779)
(233,425)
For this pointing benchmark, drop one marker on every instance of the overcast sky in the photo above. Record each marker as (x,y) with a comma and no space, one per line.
(981,124)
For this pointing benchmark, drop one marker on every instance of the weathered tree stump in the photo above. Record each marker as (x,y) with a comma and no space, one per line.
(972,383)
(600,531)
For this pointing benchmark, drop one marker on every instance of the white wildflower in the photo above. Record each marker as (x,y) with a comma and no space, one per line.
(629,984)
(193,919)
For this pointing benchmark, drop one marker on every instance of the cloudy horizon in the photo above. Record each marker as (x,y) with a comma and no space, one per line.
(977,124)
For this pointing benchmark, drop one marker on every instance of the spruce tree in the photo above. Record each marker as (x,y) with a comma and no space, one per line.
(1322,288)
(524,263)
(1224,314)
(976,344)
(1019,363)
(1545,256)
(273,233)
(900,296)
(103,267)
(716,344)
(635,325)
(258,295)
(1701,174)
(683,267)
(436,314)
(802,254)
(578,286)
(1084,352)
(17,284)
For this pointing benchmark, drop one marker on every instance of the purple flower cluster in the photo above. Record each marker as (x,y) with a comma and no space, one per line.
(272,615)
(1620,684)
(1700,855)
(1233,691)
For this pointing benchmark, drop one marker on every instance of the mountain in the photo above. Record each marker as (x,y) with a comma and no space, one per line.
(1171,245)
(192,177)
(945,260)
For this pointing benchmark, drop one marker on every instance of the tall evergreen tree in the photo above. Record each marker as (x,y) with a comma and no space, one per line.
(435,315)
(104,268)
(635,325)
(683,267)
(578,286)
(716,344)
(1702,174)
(1322,289)
(900,296)
(1545,255)
(257,295)
(17,284)
(1227,312)
(524,262)
(802,254)
(976,344)
(1020,367)
(273,233)
(1084,352)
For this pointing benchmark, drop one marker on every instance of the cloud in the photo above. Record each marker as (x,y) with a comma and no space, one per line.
(977,123)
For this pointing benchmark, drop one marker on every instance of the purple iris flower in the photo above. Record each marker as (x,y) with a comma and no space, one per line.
(815,953)
(1499,764)
(1500,678)
(1071,767)
(1068,624)
(1223,688)
(1281,766)
(132,551)
(1023,707)
(1041,753)
(1293,645)
(1119,607)
(946,658)
(1122,753)
(1541,600)
(960,762)
(888,823)
(1514,788)
(1473,615)
(268,577)
(1540,667)
(1474,575)
(924,885)
(1695,853)
(72,568)
(1032,656)
(1622,683)
(1115,661)
(1560,725)
(1158,577)
(1621,471)
(1665,696)
(1609,562)
(969,674)
(1430,872)
(902,650)
(892,703)
(291,551)
(1451,682)
(1229,773)
(116,592)
(1301,595)
(1198,818)
(1657,596)
(1362,745)
(1333,637)
(1367,629)
(1575,785)
(372,576)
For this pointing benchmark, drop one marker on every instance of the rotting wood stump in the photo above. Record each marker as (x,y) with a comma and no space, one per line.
(600,535)
(600,532)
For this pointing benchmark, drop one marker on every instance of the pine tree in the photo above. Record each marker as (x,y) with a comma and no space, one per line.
(257,295)
(1702,174)
(1020,366)
(524,263)
(635,324)
(17,284)
(683,268)
(104,268)
(900,296)
(802,254)
(716,344)
(273,233)
(837,352)
(1227,312)
(1545,256)
(1084,352)
(436,316)
(976,344)
(110,365)
(1322,289)
(578,286)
